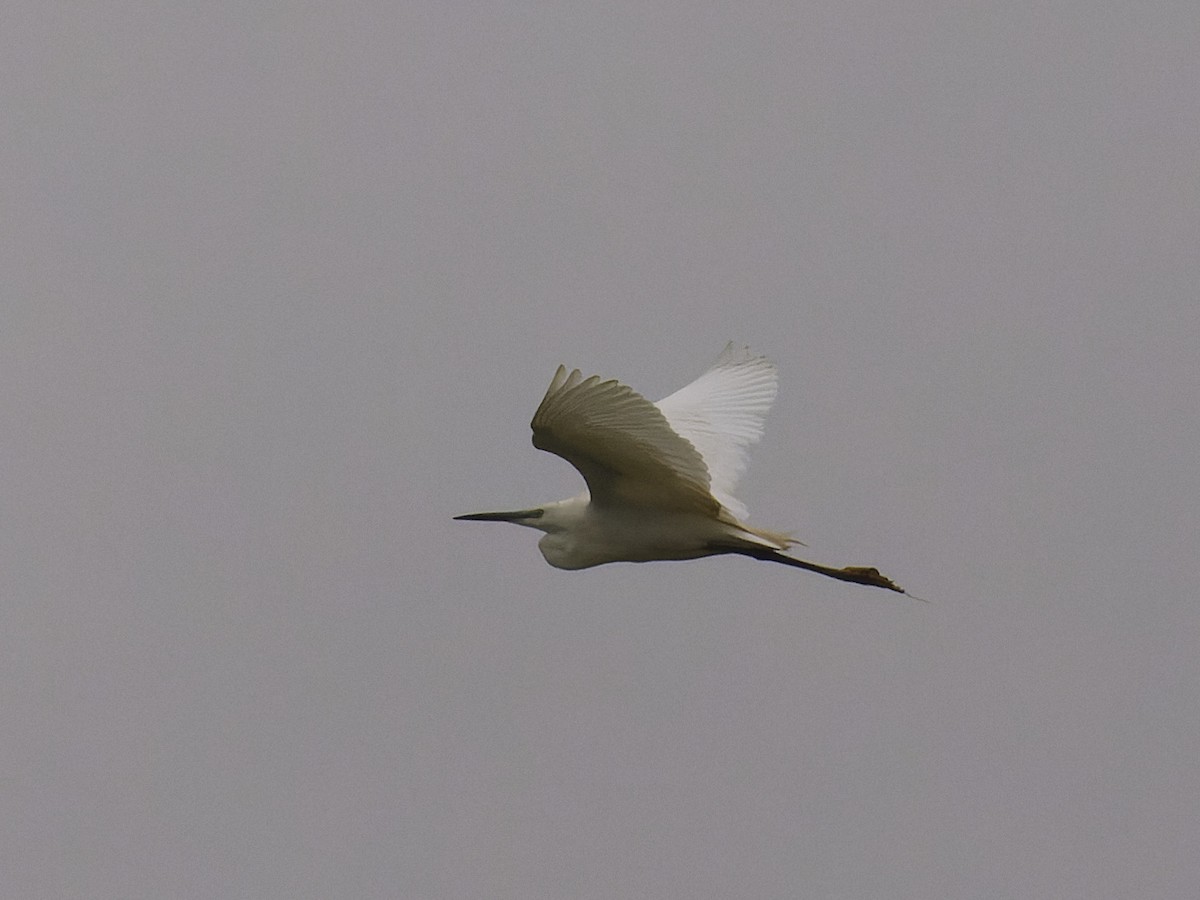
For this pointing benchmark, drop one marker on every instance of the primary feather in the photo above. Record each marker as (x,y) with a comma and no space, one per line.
(721,414)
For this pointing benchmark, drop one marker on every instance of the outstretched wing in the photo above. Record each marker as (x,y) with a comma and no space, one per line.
(622,444)
(721,414)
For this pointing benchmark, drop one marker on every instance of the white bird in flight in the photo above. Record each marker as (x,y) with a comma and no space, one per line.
(660,476)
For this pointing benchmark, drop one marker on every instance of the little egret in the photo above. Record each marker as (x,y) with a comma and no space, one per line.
(660,476)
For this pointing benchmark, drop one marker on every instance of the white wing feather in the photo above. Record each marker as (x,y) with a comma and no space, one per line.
(622,445)
(685,452)
(721,414)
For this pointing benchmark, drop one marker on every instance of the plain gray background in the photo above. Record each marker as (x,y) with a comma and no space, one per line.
(283,284)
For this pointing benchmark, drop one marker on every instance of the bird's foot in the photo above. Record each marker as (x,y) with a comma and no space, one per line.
(869,575)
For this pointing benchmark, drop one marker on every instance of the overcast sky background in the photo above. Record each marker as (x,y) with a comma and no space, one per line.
(283,285)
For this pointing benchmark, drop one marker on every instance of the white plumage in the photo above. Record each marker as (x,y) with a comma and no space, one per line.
(660,476)
(722,413)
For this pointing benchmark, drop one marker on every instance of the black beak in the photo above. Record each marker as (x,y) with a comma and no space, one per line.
(516,516)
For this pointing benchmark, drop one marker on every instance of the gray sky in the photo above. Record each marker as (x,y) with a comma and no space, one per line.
(283,286)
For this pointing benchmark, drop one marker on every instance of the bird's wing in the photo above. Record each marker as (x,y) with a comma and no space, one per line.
(622,445)
(721,414)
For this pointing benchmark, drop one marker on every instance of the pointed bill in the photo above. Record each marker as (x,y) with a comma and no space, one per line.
(514,516)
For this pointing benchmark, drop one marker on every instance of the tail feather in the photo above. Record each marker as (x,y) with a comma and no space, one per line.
(778,540)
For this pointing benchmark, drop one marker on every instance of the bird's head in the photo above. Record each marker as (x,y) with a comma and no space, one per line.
(553,517)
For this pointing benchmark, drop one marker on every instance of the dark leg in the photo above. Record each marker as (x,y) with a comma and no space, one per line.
(857,574)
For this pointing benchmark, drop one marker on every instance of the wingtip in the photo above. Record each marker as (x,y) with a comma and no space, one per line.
(738,352)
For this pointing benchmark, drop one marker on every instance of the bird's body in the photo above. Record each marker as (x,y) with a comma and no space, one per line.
(660,475)
(580,534)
